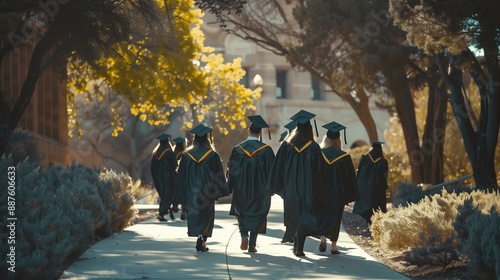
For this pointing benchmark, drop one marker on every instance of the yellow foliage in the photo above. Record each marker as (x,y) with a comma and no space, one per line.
(155,80)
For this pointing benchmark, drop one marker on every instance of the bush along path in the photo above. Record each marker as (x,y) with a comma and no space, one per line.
(442,236)
(60,212)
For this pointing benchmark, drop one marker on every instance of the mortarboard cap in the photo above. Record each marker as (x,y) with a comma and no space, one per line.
(377,142)
(179,140)
(291,125)
(335,127)
(283,136)
(200,130)
(163,137)
(303,117)
(258,123)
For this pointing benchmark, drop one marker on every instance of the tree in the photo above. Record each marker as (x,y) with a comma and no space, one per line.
(353,48)
(85,32)
(447,30)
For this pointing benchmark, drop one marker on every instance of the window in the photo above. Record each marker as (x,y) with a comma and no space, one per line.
(244,80)
(315,89)
(281,83)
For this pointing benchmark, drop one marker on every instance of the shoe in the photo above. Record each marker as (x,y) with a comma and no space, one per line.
(172,215)
(204,247)
(160,218)
(299,253)
(334,252)
(199,244)
(322,246)
(252,250)
(183,215)
(244,243)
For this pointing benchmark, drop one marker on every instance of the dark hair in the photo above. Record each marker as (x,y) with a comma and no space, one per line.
(301,134)
(332,135)
(254,130)
(179,147)
(162,146)
(200,141)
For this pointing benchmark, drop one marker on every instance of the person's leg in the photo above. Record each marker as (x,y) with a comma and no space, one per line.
(301,239)
(336,230)
(322,245)
(201,245)
(253,242)
(183,213)
(244,239)
(295,244)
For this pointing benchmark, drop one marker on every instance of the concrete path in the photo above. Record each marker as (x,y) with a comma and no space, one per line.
(162,250)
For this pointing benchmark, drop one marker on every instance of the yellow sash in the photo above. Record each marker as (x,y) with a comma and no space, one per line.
(251,154)
(201,159)
(334,160)
(303,148)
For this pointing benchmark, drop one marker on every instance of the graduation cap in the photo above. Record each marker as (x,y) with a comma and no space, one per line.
(283,136)
(257,124)
(303,117)
(201,130)
(291,125)
(163,137)
(335,128)
(179,140)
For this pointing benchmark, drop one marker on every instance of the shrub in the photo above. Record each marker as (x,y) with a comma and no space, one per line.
(434,251)
(118,198)
(60,213)
(432,230)
(409,193)
(480,234)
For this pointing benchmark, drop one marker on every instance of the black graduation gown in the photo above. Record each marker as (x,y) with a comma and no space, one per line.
(163,166)
(247,173)
(340,189)
(296,177)
(372,184)
(200,181)
(178,155)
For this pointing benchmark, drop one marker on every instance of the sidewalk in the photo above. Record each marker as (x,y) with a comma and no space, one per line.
(162,250)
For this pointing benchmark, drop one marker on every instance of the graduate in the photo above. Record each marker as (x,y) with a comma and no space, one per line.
(179,147)
(200,181)
(341,187)
(178,150)
(372,183)
(247,172)
(163,166)
(296,177)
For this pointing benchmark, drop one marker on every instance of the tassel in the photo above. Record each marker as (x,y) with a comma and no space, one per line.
(316,127)
(211,138)
(345,138)
(269,131)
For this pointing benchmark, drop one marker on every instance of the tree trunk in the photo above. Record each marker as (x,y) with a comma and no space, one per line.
(398,85)
(489,121)
(480,146)
(362,110)
(433,138)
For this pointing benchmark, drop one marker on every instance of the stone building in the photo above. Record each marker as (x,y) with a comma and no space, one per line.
(286,90)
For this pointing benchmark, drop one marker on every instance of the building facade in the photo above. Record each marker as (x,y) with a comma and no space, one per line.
(285,90)
(46,116)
